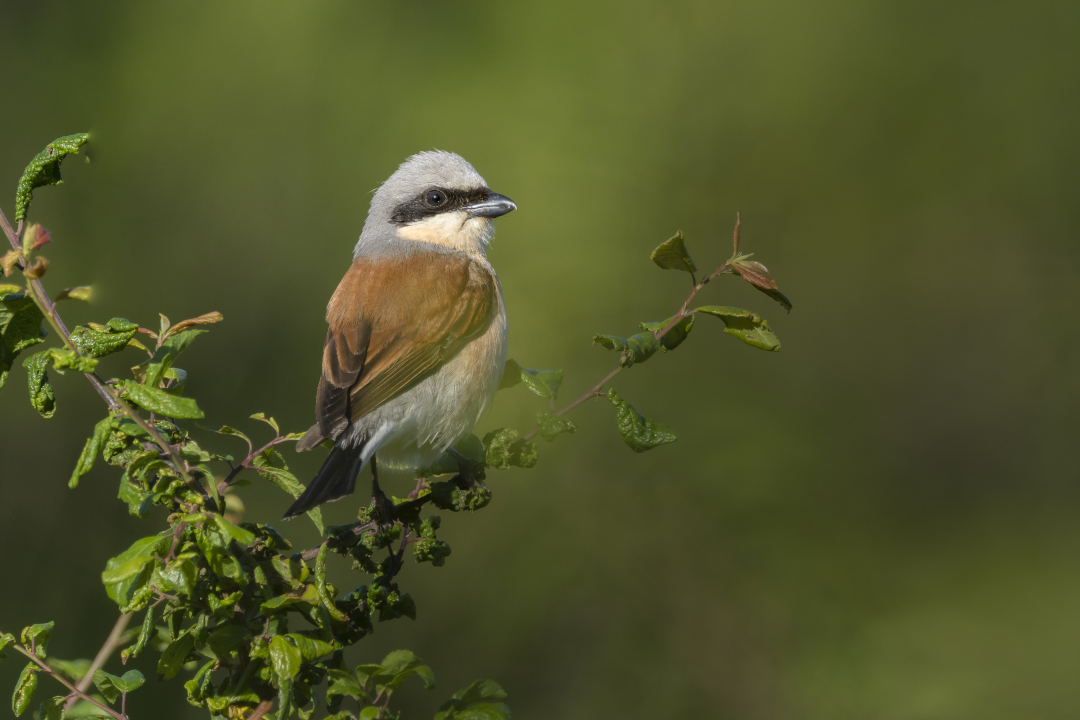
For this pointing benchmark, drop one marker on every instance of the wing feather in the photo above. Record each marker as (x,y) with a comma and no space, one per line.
(393,323)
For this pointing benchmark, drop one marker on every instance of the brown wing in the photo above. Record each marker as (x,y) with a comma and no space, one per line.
(394,323)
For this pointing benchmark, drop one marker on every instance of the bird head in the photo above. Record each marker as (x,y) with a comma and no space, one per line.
(435,197)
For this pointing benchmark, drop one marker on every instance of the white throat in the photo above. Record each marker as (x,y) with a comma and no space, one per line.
(453,230)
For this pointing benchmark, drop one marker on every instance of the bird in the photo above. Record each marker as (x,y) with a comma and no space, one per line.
(416,343)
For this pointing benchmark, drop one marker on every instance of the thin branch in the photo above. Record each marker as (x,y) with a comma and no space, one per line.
(594,391)
(111,643)
(261,709)
(111,397)
(49,671)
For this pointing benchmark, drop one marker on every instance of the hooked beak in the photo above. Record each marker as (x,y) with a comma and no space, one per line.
(493,206)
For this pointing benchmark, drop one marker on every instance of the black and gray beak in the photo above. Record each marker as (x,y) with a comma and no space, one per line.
(492,206)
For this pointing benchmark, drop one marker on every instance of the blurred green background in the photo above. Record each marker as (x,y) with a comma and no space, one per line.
(877,522)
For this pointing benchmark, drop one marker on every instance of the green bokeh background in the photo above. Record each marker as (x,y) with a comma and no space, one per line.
(877,522)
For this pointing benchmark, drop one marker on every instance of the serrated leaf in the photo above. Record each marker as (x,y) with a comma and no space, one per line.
(24,689)
(635,349)
(551,426)
(81,292)
(674,337)
(159,401)
(638,431)
(20,328)
(44,169)
(672,255)
(745,325)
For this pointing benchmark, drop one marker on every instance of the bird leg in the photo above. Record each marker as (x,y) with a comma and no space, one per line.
(470,471)
(384,507)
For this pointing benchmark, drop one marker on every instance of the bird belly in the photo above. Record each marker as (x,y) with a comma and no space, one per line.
(442,409)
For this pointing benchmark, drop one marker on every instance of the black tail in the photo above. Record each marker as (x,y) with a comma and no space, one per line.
(335,480)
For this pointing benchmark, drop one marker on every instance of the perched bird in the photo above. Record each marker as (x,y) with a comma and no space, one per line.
(417,339)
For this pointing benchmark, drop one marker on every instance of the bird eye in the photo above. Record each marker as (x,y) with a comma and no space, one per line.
(435,198)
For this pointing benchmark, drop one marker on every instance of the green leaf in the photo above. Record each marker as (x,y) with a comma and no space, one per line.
(112,686)
(511,371)
(175,655)
(745,325)
(41,393)
(672,255)
(90,451)
(544,383)
(81,292)
(285,657)
(674,337)
(24,689)
(639,432)
(5,640)
(52,709)
(344,683)
(400,665)
(226,639)
(309,594)
(321,586)
(44,169)
(268,420)
(504,448)
(38,635)
(160,401)
(20,328)
(311,649)
(473,703)
(165,355)
(145,632)
(551,426)
(635,349)
(239,534)
(271,466)
(64,359)
(130,570)
(113,337)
